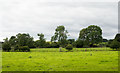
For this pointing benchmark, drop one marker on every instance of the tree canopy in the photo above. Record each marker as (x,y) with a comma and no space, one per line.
(115,44)
(24,40)
(92,34)
(60,35)
(41,42)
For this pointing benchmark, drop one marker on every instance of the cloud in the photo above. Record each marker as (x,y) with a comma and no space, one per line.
(44,16)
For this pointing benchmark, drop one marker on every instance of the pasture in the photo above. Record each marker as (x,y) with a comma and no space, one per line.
(50,59)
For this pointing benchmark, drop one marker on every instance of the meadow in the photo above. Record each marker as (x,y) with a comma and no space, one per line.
(50,59)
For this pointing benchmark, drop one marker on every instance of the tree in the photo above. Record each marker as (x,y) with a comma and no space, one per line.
(54,45)
(37,42)
(24,40)
(6,45)
(24,49)
(12,41)
(117,37)
(115,44)
(79,43)
(41,41)
(16,47)
(109,42)
(91,35)
(60,35)
(47,45)
(105,40)
(71,41)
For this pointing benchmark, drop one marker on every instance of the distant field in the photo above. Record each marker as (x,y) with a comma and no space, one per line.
(41,60)
(74,49)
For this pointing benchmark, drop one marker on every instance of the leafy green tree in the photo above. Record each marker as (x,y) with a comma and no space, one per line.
(91,35)
(60,35)
(24,40)
(71,41)
(69,47)
(47,45)
(12,41)
(117,37)
(37,42)
(109,42)
(42,40)
(115,45)
(24,49)
(16,47)
(79,43)
(6,45)
(54,45)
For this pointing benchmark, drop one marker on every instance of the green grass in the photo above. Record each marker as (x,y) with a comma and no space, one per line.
(37,60)
(74,49)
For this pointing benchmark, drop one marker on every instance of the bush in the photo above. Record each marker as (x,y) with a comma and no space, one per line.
(16,48)
(109,43)
(79,43)
(24,48)
(69,47)
(115,45)
(6,46)
(54,45)
(47,45)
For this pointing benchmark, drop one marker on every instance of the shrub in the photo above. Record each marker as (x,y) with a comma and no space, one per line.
(24,48)
(109,43)
(6,46)
(69,47)
(54,45)
(115,45)
(16,48)
(79,43)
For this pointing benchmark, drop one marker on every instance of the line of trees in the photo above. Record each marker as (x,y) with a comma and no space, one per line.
(88,37)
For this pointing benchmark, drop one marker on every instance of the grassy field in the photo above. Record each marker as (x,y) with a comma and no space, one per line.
(74,49)
(53,60)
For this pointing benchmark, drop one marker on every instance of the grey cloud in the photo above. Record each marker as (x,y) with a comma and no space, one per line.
(43,17)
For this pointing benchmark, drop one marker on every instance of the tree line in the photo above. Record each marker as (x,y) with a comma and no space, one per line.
(88,37)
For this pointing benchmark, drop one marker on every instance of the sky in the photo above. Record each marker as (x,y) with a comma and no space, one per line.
(43,16)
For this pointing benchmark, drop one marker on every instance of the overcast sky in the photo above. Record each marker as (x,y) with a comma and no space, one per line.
(43,16)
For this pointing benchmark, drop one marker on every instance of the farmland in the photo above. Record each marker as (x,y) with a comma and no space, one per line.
(50,59)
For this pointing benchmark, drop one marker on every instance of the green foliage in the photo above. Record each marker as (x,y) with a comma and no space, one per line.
(12,41)
(54,45)
(24,49)
(117,37)
(37,43)
(69,47)
(91,35)
(60,35)
(105,40)
(115,45)
(24,40)
(71,41)
(47,45)
(79,43)
(6,45)
(109,42)
(19,40)
(16,48)
(41,42)
(103,44)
